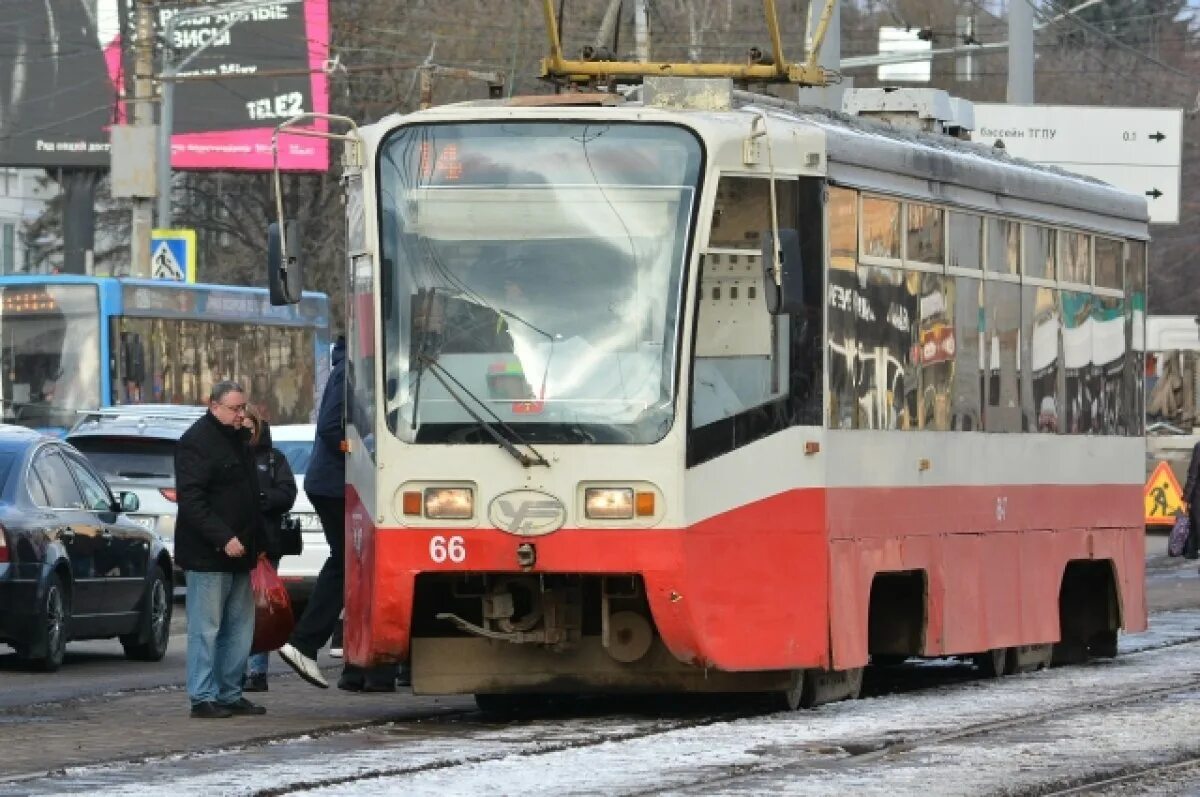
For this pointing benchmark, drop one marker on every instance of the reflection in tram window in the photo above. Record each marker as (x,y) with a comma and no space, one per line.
(966,241)
(931,366)
(843,228)
(842,309)
(926,234)
(1002,338)
(1074,258)
(1077,361)
(1108,364)
(880,228)
(1041,359)
(1039,251)
(1003,246)
(967,394)
(1108,263)
(886,321)
(1135,314)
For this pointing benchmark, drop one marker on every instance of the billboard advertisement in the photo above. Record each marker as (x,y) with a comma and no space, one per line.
(65,77)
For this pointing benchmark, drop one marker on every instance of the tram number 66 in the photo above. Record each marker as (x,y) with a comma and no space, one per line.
(441,549)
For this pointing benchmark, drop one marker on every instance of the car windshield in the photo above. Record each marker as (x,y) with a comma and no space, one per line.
(534,271)
(50,352)
(129,458)
(297,453)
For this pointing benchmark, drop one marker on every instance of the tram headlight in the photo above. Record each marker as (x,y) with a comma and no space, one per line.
(449,503)
(608,503)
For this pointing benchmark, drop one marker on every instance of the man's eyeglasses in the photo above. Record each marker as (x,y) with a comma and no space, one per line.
(237,409)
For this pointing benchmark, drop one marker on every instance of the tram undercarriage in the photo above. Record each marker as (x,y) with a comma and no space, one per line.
(496,634)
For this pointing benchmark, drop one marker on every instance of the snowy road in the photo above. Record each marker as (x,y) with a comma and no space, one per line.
(1026,734)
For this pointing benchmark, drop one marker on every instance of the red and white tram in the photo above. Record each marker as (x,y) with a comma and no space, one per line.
(595,446)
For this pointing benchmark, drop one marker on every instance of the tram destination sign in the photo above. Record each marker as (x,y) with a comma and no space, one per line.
(1135,149)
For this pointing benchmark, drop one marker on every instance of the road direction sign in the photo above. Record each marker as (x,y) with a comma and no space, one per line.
(173,255)
(1135,149)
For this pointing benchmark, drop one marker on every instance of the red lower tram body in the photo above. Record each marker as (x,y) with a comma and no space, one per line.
(809,579)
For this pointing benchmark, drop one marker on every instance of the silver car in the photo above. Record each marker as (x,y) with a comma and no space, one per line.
(133,447)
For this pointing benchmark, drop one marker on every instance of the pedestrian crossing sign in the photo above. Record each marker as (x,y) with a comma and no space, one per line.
(173,255)
(1162,496)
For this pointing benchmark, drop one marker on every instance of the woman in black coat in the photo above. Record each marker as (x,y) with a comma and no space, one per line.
(276,495)
(1191,549)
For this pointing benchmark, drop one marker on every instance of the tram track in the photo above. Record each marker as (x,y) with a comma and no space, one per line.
(824,756)
(1134,776)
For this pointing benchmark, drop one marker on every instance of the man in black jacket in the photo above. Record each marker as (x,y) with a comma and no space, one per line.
(217,538)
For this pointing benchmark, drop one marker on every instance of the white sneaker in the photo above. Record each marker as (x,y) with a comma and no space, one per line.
(305,667)
(335,653)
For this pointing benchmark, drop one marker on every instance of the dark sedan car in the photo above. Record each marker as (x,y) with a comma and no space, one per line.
(71,565)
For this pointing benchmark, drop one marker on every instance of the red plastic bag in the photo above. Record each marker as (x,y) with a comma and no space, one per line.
(273,621)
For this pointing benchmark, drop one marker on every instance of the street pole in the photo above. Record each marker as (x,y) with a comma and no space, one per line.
(1020,52)
(142,223)
(641,30)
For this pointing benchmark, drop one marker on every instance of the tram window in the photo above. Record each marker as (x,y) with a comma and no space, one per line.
(842,307)
(880,228)
(743,210)
(1108,263)
(887,310)
(1077,361)
(1001,357)
(1108,364)
(967,394)
(1039,251)
(843,228)
(1074,258)
(966,241)
(930,382)
(1041,359)
(926,239)
(1003,246)
(1135,315)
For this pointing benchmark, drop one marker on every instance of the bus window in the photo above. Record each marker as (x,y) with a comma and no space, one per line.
(50,352)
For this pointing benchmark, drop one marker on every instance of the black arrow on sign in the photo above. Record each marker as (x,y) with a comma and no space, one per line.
(1158,137)
(1154,193)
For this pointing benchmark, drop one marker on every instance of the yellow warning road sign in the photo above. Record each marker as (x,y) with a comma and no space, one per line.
(1162,496)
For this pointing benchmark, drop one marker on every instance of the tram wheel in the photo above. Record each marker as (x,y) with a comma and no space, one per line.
(992,663)
(791,698)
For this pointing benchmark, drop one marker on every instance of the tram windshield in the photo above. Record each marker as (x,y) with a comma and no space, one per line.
(533,278)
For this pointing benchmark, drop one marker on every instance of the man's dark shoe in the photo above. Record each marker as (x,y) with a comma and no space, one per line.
(209,710)
(242,708)
(255,682)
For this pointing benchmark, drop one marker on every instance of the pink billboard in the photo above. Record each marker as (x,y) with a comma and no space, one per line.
(243,76)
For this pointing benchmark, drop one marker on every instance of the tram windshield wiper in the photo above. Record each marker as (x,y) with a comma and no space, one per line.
(446,378)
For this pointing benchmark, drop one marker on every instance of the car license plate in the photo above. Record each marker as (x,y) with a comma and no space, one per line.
(145,521)
(309,521)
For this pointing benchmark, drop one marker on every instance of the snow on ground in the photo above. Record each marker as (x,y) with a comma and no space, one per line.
(808,752)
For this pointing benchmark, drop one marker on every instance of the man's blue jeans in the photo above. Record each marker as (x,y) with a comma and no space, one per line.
(220,620)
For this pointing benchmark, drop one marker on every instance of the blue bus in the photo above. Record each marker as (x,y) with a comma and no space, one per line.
(69,343)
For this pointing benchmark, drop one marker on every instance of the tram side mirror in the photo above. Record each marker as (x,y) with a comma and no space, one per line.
(285,266)
(786,296)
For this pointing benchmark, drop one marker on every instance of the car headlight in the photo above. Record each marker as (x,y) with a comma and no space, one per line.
(608,503)
(449,503)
